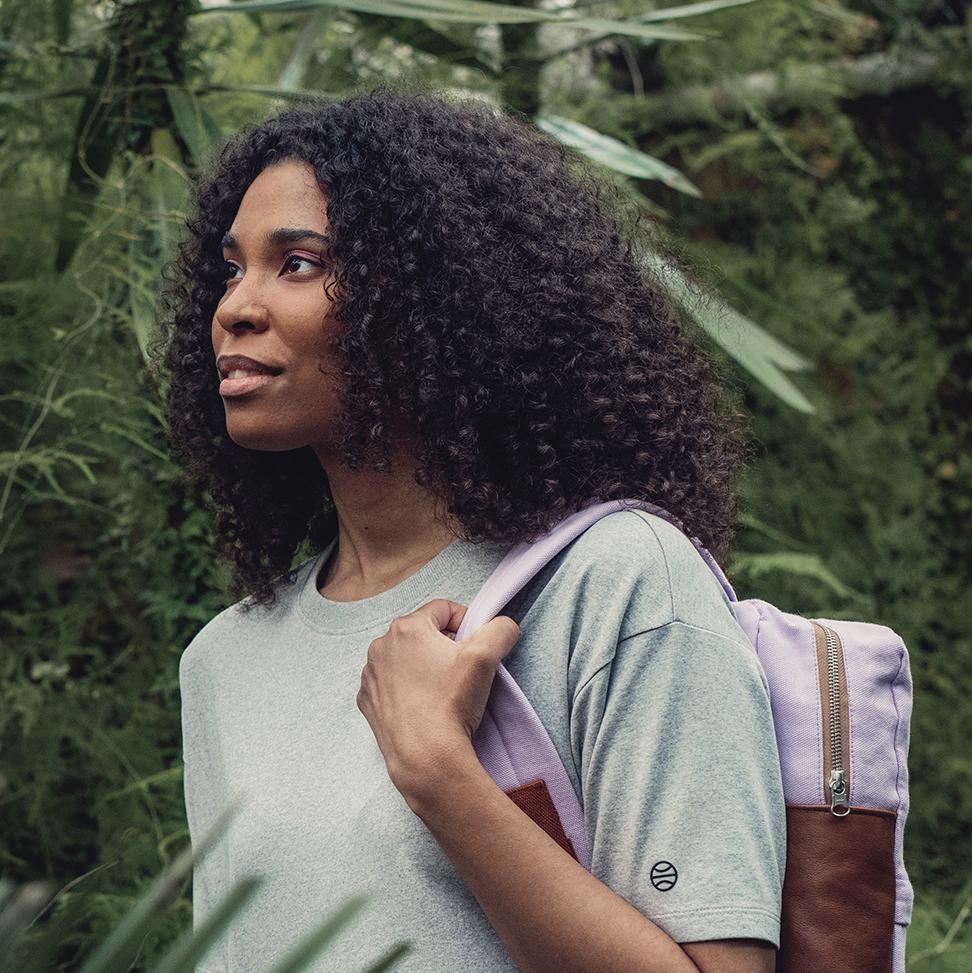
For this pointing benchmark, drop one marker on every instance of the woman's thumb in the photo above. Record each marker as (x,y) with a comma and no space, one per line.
(498,635)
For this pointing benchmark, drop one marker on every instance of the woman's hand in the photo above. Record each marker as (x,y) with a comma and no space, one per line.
(423,693)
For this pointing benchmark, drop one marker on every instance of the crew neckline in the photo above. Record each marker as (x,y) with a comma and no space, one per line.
(458,560)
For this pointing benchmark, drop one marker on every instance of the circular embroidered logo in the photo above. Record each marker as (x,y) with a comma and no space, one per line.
(663,876)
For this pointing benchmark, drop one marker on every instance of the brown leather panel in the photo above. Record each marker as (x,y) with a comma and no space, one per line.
(838,892)
(535,801)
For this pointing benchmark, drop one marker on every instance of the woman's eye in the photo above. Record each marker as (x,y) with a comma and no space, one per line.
(295,256)
(231,268)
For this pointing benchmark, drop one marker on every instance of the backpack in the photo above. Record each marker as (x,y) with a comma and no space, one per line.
(841,700)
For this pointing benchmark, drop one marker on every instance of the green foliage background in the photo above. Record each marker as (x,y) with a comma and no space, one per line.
(840,221)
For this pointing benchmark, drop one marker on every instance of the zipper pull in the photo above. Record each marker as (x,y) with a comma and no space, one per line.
(838,794)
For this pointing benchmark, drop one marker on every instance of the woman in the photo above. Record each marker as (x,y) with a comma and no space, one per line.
(405,334)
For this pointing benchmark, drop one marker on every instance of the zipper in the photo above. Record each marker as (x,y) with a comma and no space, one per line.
(833,701)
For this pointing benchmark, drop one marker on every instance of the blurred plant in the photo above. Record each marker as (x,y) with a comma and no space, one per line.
(159,115)
(25,950)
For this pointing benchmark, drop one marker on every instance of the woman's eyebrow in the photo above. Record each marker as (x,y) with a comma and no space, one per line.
(278,237)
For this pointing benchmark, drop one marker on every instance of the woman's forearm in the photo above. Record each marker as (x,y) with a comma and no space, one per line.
(549,911)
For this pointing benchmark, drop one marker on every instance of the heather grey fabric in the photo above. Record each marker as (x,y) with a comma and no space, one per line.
(631,656)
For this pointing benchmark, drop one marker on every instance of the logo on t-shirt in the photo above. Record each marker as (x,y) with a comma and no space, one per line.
(663,876)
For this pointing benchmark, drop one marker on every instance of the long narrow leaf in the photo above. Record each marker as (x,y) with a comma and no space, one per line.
(653,16)
(689,10)
(763,356)
(97,134)
(457,11)
(390,958)
(117,952)
(804,565)
(309,947)
(760,526)
(634,28)
(305,46)
(168,185)
(41,94)
(137,440)
(142,784)
(199,130)
(192,947)
(614,153)
(271,91)
(756,350)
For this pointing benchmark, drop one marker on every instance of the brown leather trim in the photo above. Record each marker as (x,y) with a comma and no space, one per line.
(821,644)
(535,801)
(838,892)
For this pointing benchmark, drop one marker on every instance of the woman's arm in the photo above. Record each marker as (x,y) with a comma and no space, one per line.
(550,912)
(423,696)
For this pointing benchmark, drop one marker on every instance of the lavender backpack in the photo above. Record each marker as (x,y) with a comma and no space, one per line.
(841,701)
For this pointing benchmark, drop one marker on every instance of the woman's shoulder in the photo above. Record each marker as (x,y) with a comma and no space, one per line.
(195,662)
(240,623)
(657,614)
(648,562)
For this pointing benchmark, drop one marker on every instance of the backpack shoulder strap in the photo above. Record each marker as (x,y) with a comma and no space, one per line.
(525,560)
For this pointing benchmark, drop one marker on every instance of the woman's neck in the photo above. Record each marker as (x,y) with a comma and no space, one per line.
(388,528)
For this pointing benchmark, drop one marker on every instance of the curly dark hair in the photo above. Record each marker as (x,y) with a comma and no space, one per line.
(489,299)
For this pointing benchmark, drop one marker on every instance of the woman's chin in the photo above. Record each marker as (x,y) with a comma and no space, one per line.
(252,436)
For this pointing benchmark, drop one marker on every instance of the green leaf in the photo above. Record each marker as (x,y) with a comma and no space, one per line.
(634,28)
(670,13)
(759,525)
(168,185)
(199,130)
(191,948)
(136,439)
(141,300)
(459,11)
(271,91)
(763,356)
(805,565)
(98,132)
(41,94)
(142,784)
(117,952)
(433,38)
(613,153)
(390,958)
(313,943)
(690,10)
(153,240)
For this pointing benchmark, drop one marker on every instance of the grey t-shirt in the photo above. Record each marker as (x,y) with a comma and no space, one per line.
(633,660)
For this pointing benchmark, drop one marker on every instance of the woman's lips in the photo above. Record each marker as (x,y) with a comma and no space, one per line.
(248,383)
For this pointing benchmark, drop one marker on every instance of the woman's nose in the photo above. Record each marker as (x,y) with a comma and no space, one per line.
(241,307)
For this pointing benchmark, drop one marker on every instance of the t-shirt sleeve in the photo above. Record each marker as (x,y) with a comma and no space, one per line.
(674,744)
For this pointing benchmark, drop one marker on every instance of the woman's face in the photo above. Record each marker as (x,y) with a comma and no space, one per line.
(275,311)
